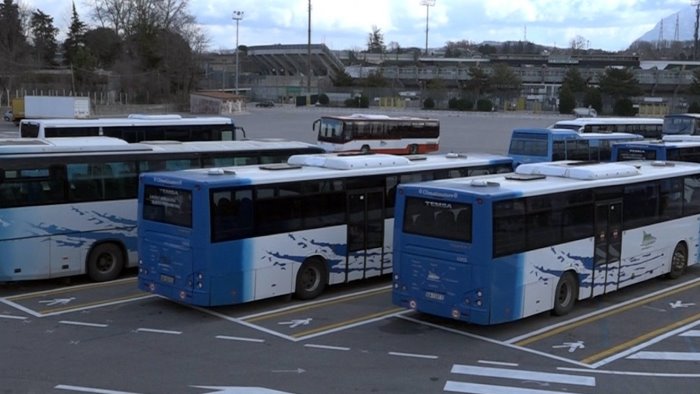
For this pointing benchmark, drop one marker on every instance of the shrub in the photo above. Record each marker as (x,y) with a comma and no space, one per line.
(484,105)
(323,99)
(428,103)
(624,107)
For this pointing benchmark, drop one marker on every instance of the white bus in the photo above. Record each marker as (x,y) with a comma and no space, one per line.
(136,128)
(498,248)
(646,127)
(68,205)
(233,235)
(378,133)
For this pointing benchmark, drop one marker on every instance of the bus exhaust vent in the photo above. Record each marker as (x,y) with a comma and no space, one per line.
(524,177)
(484,183)
(585,172)
(280,166)
(338,162)
(220,171)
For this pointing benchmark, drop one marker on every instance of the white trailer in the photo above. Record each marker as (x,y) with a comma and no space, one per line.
(36,107)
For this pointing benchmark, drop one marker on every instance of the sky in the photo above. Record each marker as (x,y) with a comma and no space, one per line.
(610,25)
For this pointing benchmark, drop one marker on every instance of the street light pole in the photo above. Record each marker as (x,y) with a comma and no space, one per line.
(237,16)
(427,4)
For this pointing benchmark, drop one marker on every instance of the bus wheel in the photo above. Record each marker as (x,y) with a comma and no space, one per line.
(105,262)
(413,149)
(679,261)
(565,294)
(311,279)
(364,149)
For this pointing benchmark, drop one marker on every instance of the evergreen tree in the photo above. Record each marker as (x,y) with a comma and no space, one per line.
(75,39)
(13,44)
(619,83)
(44,35)
(375,42)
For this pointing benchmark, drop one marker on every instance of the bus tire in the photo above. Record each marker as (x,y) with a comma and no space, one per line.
(412,149)
(105,262)
(312,279)
(565,294)
(365,149)
(679,261)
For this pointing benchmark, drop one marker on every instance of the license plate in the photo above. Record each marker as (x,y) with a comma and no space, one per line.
(434,296)
(167,279)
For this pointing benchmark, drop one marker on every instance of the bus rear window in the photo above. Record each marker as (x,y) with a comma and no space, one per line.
(168,205)
(528,144)
(438,219)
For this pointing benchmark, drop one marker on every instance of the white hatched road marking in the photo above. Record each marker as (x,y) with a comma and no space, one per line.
(524,375)
(12,317)
(667,356)
(691,333)
(476,388)
(240,339)
(428,356)
(311,345)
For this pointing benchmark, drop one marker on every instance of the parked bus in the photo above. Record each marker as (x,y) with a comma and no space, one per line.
(682,124)
(68,205)
(499,248)
(646,127)
(378,133)
(675,150)
(233,235)
(530,145)
(136,128)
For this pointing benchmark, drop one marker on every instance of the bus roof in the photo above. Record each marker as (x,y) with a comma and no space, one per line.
(544,178)
(684,115)
(376,117)
(137,120)
(604,121)
(326,166)
(564,133)
(106,145)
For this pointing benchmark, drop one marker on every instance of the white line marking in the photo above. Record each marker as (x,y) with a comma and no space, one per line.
(641,346)
(475,388)
(312,303)
(691,333)
(77,323)
(241,322)
(497,363)
(353,325)
(13,317)
(90,390)
(674,356)
(523,375)
(632,373)
(240,339)
(586,316)
(158,331)
(84,308)
(327,347)
(489,340)
(427,356)
(20,307)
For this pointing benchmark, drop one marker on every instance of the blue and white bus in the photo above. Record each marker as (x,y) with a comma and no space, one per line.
(68,205)
(646,127)
(136,128)
(531,145)
(233,235)
(667,149)
(494,249)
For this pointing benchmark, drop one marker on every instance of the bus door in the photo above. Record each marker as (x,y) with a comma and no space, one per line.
(607,246)
(365,233)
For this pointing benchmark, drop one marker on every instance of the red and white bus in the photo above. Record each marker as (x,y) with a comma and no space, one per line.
(378,133)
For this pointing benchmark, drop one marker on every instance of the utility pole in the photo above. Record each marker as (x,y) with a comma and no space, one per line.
(308,61)
(696,3)
(428,4)
(237,16)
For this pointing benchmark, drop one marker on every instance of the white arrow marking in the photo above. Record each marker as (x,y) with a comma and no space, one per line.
(240,390)
(296,322)
(57,301)
(571,345)
(680,304)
